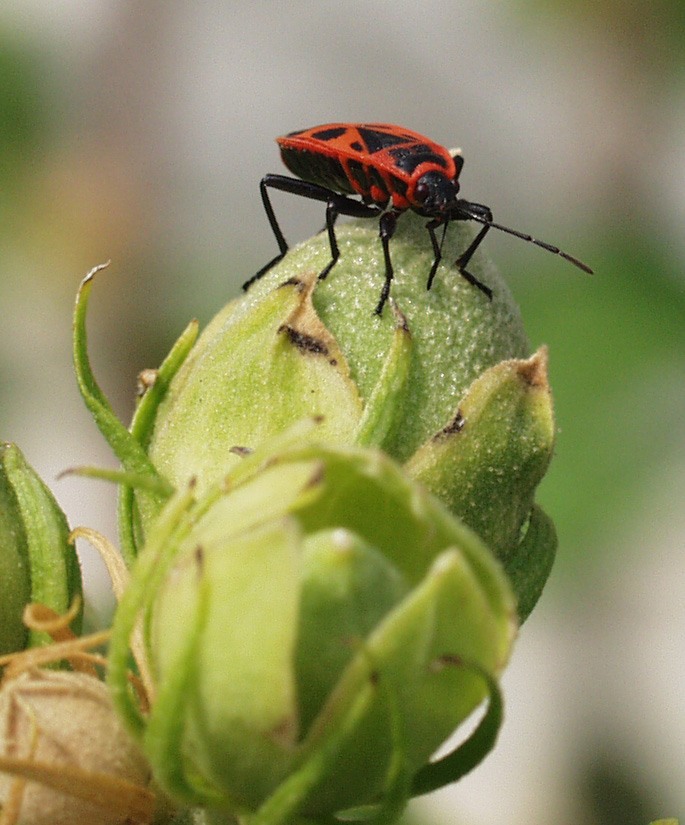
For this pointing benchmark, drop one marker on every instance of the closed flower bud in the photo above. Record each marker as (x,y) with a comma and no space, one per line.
(442,382)
(319,506)
(294,346)
(312,620)
(37,562)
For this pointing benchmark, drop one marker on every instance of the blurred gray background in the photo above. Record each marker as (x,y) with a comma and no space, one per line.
(139,132)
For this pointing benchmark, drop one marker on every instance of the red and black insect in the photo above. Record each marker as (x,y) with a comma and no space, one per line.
(391,169)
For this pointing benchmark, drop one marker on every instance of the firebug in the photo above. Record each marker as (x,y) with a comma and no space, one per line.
(390,169)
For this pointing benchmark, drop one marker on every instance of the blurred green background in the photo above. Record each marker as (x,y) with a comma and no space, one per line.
(139,131)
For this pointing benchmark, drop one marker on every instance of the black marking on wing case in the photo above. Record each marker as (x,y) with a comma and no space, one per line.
(317,168)
(358,174)
(378,141)
(408,158)
(329,134)
(367,176)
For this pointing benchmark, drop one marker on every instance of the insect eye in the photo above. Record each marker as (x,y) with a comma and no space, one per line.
(421,192)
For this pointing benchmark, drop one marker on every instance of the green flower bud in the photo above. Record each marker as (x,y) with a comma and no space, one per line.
(440,382)
(37,562)
(294,347)
(317,625)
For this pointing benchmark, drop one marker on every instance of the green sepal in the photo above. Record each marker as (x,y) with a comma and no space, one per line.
(147,573)
(486,463)
(143,421)
(530,564)
(142,426)
(472,751)
(151,484)
(284,804)
(165,732)
(256,718)
(267,361)
(126,448)
(379,420)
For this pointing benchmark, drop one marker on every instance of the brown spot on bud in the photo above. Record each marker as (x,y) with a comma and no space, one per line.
(456,425)
(401,318)
(241,451)
(146,380)
(284,732)
(296,282)
(305,343)
(317,476)
(534,370)
(444,661)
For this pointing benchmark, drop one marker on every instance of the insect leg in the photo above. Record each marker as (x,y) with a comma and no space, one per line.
(437,248)
(342,206)
(295,186)
(331,217)
(387,225)
(466,256)
(266,181)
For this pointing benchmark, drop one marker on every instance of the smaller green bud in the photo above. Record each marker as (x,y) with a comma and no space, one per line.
(347,588)
(37,562)
(15,578)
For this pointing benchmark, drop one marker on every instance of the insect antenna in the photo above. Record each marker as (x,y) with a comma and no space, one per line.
(473,215)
